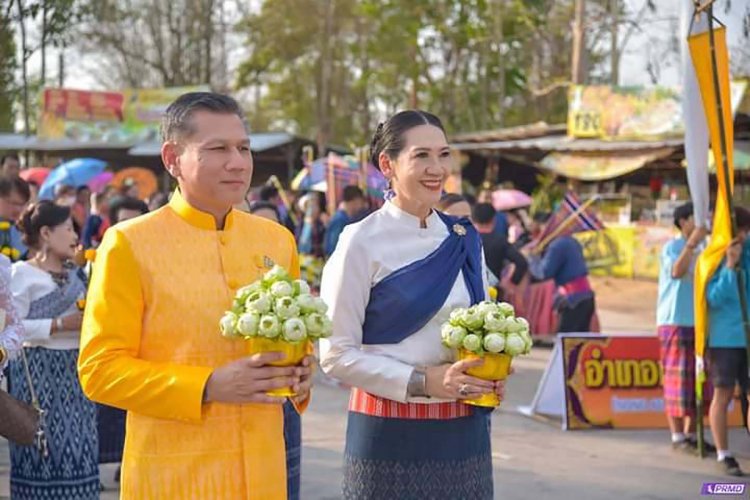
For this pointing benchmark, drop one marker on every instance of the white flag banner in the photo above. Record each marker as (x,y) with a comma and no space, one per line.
(696,129)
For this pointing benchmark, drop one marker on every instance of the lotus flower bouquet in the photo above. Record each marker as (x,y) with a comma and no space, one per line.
(277,313)
(491,331)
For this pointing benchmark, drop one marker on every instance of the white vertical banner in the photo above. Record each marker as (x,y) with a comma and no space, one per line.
(696,129)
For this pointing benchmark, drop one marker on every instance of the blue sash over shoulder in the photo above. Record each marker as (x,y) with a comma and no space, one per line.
(405,300)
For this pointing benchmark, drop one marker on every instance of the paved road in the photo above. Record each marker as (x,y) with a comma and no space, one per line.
(532,459)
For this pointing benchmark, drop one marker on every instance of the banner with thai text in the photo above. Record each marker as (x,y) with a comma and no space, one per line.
(120,117)
(615,381)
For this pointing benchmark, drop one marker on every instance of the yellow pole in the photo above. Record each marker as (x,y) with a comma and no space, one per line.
(282,194)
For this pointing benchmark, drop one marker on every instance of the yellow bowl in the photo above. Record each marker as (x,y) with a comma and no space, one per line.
(294,353)
(496,367)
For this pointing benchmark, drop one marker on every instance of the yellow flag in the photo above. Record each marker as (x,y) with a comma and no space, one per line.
(721,235)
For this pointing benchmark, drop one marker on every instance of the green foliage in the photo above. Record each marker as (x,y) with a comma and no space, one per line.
(474,63)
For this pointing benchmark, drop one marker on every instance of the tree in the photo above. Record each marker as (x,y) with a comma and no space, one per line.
(53,20)
(156,43)
(8,65)
(457,59)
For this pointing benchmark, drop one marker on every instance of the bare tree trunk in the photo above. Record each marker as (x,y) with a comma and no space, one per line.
(24,67)
(467,100)
(43,43)
(258,97)
(365,62)
(578,73)
(224,63)
(499,37)
(615,20)
(414,94)
(485,50)
(208,40)
(324,99)
(61,67)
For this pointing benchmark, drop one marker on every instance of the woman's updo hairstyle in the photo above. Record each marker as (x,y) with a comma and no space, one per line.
(389,136)
(38,215)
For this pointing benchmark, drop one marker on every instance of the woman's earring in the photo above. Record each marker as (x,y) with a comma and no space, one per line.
(389,193)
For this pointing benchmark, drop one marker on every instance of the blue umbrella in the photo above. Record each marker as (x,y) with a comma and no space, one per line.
(74,173)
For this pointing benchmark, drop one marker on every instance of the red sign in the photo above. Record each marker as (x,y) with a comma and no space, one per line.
(80,105)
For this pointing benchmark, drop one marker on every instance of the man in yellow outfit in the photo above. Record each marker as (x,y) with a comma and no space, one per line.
(199,422)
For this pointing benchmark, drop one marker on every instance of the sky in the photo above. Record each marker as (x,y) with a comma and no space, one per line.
(655,38)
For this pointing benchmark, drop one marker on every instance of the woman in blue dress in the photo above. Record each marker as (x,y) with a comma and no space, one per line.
(392,281)
(46,291)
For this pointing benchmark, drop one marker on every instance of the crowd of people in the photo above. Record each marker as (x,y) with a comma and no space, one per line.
(93,356)
(137,331)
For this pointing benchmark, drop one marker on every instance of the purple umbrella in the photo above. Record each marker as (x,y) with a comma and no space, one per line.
(508,199)
(98,183)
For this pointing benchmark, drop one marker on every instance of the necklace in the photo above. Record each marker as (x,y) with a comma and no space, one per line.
(59,277)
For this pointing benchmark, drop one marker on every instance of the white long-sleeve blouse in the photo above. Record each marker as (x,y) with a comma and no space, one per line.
(367,252)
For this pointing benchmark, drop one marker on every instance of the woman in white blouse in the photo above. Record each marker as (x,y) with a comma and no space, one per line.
(11,329)
(46,293)
(393,279)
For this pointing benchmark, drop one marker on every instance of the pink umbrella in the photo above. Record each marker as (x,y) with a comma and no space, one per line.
(508,199)
(99,182)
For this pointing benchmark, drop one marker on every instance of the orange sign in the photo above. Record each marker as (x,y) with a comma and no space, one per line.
(615,382)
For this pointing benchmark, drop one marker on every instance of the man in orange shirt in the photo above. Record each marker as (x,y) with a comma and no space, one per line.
(199,424)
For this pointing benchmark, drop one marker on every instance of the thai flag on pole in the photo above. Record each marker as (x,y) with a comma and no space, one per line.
(571,216)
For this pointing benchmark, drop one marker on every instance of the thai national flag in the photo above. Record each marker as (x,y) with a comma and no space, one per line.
(583,220)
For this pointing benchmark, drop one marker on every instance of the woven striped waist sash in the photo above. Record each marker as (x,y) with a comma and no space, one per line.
(368,404)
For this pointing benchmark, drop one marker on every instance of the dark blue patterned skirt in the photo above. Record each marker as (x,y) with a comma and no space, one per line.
(292,440)
(405,459)
(71,470)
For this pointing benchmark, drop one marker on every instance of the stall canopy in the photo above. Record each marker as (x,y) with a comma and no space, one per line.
(600,166)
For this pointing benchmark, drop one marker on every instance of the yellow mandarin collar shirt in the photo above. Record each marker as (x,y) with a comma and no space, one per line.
(195,217)
(150,340)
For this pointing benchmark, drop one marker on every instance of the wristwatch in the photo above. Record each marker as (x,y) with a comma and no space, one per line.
(417,387)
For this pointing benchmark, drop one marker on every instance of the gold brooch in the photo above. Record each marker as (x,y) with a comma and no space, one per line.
(459,229)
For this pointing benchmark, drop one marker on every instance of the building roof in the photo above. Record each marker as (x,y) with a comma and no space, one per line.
(259,142)
(533,130)
(565,143)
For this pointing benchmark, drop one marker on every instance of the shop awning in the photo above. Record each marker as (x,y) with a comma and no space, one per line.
(600,166)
